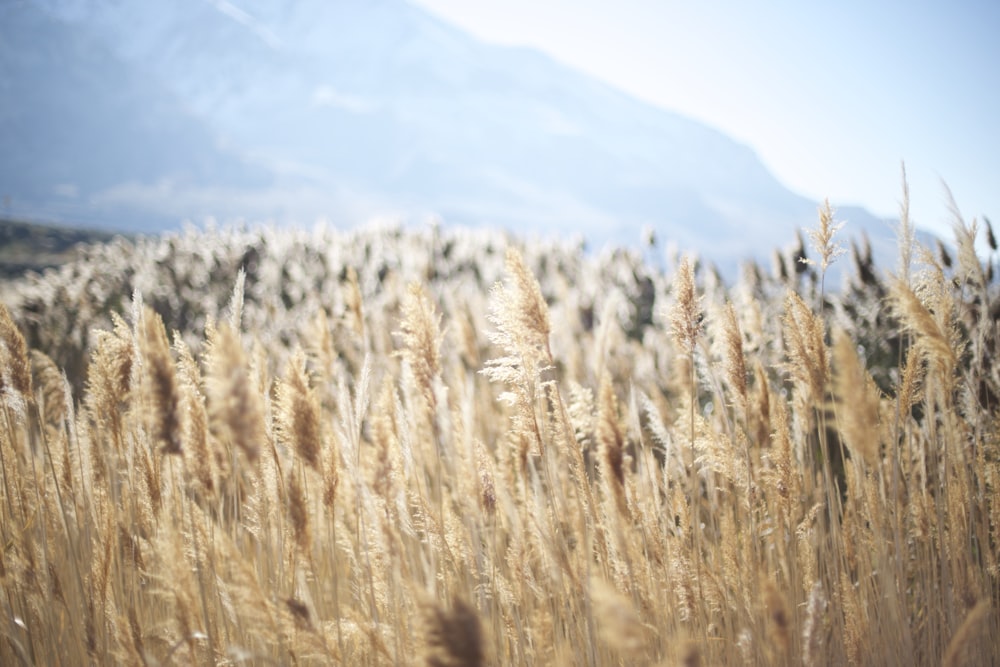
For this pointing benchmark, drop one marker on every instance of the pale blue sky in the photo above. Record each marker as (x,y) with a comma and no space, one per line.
(831,95)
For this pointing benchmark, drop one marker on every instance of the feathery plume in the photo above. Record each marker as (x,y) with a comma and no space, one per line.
(779,627)
(331,473)
(809,358)
(969,269)
(821,238)
(918,319)
(48,377)
(299,611)
(487,485)
(355,303)
(519,311)
(454,636)
(298,422)
(761,414)
(685,315)
(521,317)
(908,393)
(690,654)
(733,360)
(812,629)
(298,512)
(421,335)
(15,367)
(858,400)
(966,634)
(236,301)
(905,230)
(943,254)
(160,383)
(109,385)
(110,370)
(235,410)
(618,624)
(612,441)
(196,423)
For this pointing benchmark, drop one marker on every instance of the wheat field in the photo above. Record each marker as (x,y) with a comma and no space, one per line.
(446,447)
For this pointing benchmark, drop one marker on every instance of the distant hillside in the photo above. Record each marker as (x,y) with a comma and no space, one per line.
(82,131)
(141,115)
(29,246)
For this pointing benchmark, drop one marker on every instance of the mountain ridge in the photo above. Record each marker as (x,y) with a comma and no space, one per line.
(350,110)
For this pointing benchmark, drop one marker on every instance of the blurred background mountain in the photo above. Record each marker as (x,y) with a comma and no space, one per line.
(136,116)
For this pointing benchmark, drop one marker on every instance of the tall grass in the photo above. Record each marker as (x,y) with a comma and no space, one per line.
(373,457)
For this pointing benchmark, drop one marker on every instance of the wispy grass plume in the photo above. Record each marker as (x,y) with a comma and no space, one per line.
(15,366)
(160,382)
(234,408)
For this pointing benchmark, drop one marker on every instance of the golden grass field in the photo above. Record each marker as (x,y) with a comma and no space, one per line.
(444,447)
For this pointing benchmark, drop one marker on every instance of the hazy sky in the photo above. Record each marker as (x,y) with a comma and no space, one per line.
(831,95)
